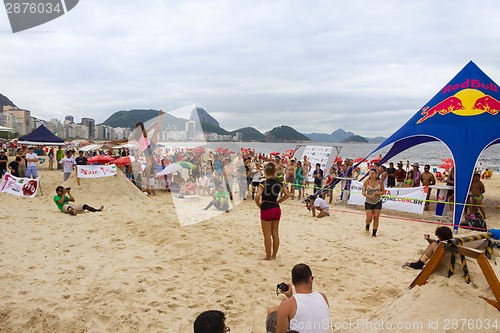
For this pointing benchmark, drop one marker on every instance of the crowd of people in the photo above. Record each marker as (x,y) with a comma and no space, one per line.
(268,181)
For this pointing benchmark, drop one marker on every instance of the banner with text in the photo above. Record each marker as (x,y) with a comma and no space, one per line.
(22,187)
(410,199)
(95,171)
(318,154)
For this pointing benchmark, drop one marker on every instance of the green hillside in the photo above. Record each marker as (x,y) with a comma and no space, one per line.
(129,118)
(286,134)
(250,134)
(355,139)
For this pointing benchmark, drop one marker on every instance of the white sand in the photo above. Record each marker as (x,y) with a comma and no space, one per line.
(133,268)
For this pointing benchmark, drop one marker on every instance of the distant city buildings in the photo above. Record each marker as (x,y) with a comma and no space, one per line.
(23,123)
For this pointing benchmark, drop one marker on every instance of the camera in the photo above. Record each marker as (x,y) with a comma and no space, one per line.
(281,286)
(68,188)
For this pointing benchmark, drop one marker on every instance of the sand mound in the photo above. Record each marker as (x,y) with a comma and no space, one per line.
(443,304)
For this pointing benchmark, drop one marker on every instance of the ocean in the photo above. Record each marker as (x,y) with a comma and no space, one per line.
(428,153)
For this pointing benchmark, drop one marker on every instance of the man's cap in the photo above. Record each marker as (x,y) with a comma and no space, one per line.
(2,151)
(415,165)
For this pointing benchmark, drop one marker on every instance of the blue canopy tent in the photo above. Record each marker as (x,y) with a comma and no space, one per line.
(464,115)
(41,136)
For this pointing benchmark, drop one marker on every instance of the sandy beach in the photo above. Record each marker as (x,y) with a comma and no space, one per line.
(134,268)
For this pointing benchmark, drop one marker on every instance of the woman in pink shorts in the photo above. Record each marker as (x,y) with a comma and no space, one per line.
(270,211)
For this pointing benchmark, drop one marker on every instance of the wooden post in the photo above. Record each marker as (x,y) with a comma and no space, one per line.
(431,266)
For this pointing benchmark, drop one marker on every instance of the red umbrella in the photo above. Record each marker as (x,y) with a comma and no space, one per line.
(360,159)
(220,150)
(447,160)
(124,160)
(376,160)
(275,153)
(199,150)
(338,159)
(101,159)
(447,166)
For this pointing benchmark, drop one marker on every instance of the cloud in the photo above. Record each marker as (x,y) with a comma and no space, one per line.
(362,66)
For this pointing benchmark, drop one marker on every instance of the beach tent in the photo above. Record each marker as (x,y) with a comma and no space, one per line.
(464,115)
(41,136)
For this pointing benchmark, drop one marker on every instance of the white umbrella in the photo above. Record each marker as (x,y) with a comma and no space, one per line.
(171,168)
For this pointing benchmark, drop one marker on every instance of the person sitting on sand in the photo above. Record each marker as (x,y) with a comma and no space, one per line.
(63,202)
(307,308)
(189,187)
(220,200)
(316,202)
(443,234)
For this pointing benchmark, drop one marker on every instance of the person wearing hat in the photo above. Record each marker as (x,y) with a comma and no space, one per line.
(31,161)
(416,175)
(3,163)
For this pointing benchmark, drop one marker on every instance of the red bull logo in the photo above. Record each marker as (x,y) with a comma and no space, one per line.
(466,102)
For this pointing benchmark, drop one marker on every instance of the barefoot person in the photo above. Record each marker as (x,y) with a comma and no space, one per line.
(373,188)
(270,211)
(63,202)
(477,189)
(145,145)
(427,178)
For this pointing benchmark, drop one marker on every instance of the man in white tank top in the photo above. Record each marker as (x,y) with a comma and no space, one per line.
(307,311)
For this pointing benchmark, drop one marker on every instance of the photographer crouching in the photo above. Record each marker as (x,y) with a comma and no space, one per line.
(63,198)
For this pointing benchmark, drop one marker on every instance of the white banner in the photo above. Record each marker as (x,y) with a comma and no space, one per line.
(318,154)
(411,199)
(23,187)
(95,171)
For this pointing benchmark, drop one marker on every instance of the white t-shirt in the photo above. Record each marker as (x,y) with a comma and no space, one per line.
(256,176)
(321,203)
(31,156)
(68,164)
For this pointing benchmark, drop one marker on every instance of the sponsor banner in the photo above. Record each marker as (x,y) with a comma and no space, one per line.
(410,199)
(95,171)
(318,154)
(22,187)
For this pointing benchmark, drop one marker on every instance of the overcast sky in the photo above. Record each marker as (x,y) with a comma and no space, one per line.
(364,66)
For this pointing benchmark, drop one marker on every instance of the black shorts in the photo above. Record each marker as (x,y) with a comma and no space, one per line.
(255,184)
(369,206)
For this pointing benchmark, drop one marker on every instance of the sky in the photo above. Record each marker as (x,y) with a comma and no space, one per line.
(364,66)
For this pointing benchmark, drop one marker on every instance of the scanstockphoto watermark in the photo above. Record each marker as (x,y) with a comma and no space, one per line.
(26,14)
(365,325)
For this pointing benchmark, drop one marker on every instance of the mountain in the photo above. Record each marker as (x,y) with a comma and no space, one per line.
(129,118)
(355,139)
(285,134)
(318,137)
(378,139)
(250,134)
(5,101)
(203,116)
(339,136)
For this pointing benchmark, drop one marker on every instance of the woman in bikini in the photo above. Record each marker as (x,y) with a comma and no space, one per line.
(145,145)
(409,179)
(373,189)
